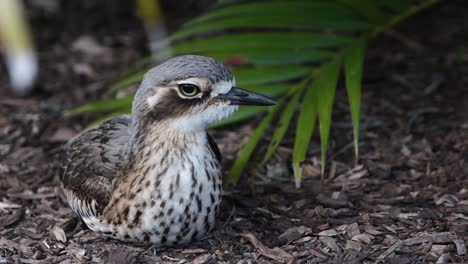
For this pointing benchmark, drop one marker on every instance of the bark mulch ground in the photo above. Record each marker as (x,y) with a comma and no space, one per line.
(405,201)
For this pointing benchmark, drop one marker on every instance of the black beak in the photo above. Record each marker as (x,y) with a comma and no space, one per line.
(238,96)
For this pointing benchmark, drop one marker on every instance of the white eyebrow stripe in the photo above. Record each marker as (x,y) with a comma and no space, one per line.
(195,81)
(155,98)
(222,87)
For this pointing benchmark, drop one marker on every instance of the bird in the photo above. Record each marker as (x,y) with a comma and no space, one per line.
(154,176)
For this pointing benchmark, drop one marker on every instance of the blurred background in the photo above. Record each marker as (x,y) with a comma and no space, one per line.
(65,23)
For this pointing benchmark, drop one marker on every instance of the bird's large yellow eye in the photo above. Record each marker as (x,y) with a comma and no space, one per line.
(189,90)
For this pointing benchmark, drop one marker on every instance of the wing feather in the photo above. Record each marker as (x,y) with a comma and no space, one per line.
(91,161)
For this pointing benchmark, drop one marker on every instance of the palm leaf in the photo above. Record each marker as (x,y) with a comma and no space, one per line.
(255,76)
(325,86)
(104,105)
(261,40)
(130,79)
(296,21)
(267,57)
(284,121)
(368,9)
(353,63)
(304,130)
(396,6)
(328,9)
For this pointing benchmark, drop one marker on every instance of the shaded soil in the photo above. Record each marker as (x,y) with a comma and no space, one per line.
(405,202)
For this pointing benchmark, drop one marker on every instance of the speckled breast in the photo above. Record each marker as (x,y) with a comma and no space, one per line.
(165,205)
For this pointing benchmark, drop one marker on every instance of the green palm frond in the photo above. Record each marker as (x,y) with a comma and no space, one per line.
(294,50)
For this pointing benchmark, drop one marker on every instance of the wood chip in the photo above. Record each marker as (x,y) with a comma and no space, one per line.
(294,233)
(444,237)
(27,195)
(328,233)
(273,253)
(302,240)
(205,258)
(461,246)
(355,245)
(330,243)
(121,256)
(371,230)
(8,205)
(330,202)
(353,174)
(193,251)
(59,234)
(389,251)
(30,261)
(29,232)
(12,219)
(390,228)
(320,257)
(4,243)
(366,238)
(439,249)
(353,230)
(444,258)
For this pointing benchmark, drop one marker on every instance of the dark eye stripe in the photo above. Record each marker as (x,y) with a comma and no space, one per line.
(172,105)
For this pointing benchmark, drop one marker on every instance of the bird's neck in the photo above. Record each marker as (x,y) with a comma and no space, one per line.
(159,151)
(162,137)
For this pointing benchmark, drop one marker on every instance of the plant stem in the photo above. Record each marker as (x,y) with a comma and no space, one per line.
(408,13)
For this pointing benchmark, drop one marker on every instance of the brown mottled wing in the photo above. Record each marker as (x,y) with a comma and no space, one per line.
(214,148)
(92,158)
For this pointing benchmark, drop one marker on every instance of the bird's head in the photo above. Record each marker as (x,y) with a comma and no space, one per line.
(190,92)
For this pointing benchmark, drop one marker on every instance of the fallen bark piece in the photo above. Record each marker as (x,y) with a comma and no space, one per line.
(353,230)
(59,234)
(356,245)
(273,253)
(12,219)
(8,244)
(330,243)
(444,237)
(4,206)
(121,256)
(444,258)
(330,202)
(366,238)
(193,251)
(205,258)
(389,251)
(320,257)
(440,249)
(371,230)
(461,246)
(303,240)
(294,233)
(328,233)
